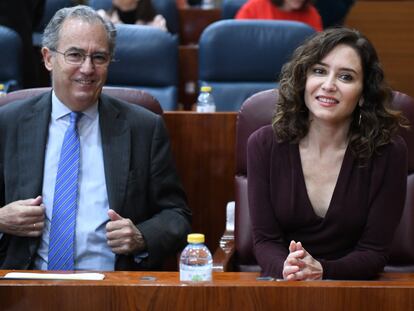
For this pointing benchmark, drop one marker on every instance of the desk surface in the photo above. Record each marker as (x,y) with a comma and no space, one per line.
(227,291)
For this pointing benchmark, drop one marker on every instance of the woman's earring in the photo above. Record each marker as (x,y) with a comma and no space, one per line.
(360,103)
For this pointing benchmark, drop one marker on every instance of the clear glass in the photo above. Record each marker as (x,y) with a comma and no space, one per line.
(196,263)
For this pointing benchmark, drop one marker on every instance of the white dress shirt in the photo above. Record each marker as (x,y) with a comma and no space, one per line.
(91,249)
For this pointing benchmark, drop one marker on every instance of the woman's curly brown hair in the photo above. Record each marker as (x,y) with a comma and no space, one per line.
(378,121)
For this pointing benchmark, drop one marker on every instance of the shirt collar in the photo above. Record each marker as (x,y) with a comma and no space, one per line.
(60,110)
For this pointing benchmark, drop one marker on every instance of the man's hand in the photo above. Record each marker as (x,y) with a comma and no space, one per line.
(122,235)
(300,265)
(23,218)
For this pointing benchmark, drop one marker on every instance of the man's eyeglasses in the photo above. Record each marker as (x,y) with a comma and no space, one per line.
(75,57)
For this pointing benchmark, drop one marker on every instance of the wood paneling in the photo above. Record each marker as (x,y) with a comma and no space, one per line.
(188,80)
(193,21)
(203,146)
(389,25)
(227,291)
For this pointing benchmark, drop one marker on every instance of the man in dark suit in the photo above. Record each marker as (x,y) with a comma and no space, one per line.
(131,211)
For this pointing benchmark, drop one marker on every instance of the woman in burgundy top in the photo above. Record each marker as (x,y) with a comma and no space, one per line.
(327,179)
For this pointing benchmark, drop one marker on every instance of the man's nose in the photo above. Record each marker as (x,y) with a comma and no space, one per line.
(87,64)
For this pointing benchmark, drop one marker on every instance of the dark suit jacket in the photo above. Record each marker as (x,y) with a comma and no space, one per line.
(142,182)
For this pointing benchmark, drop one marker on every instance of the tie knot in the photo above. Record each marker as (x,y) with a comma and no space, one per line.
(75,116)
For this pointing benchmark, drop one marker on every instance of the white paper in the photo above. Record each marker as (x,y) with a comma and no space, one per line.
(54,276)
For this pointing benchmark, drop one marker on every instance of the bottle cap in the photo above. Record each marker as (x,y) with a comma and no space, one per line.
(1,87)
(205,88)
(195,238)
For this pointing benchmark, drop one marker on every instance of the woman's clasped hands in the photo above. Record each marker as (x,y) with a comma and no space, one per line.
(300,265)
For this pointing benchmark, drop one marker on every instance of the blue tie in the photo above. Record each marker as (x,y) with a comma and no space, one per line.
(62,229)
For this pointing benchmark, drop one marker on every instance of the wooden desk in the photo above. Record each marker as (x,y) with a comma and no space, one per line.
(227,291)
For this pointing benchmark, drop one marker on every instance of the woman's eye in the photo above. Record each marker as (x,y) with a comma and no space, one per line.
(346,77)
(318,71)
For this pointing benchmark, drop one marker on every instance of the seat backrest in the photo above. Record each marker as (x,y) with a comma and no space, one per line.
(229,8)
(50,8)
(11,71)
(146,58)
(258,111)
(133,96)
(238,58)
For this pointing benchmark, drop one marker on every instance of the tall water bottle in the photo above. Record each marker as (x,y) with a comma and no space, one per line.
(205,100)
(196,263)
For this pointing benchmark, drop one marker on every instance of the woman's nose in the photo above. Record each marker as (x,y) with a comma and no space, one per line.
(329,84)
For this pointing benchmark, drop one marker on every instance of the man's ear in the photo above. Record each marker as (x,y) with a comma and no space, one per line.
(47,58)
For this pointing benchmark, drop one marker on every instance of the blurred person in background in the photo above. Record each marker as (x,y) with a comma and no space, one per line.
(293,10)
(140,12)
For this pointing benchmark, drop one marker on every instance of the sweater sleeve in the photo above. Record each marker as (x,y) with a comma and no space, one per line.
(386,201)
(268,240)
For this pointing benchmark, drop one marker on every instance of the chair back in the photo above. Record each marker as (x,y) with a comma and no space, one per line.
(50,8)
(146,58)
(229,8)
(238,58)
(133,96)
(11,70)
(258,111)
(402,249)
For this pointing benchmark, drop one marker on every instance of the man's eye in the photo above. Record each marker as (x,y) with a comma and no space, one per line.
(100,58)
(74,55)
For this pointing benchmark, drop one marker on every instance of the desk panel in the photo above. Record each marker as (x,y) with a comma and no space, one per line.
(227,291)
(203,147)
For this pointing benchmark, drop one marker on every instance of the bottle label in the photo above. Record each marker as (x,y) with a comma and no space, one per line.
(195,273)
(209,108)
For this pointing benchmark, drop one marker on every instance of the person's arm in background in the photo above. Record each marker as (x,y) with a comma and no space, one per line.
(247,11)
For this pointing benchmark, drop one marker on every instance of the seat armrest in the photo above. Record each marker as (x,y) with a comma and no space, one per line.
(223,256)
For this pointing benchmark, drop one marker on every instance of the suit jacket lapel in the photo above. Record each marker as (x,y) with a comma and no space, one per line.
(116,147)
(31,140)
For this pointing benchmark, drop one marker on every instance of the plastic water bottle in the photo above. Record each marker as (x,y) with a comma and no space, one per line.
(205,101)
(196,263)
(208,4)
(2,90)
